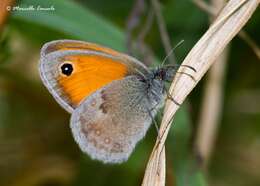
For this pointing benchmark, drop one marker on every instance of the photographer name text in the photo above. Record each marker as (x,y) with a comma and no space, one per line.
(30,8)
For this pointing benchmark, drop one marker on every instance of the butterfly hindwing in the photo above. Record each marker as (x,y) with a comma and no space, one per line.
(108,124)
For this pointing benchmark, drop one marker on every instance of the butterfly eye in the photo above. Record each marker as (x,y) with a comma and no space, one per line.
(66,69)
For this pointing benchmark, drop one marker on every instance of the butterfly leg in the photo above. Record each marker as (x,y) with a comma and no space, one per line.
(187,66)
(153,120)
(192,77)
(190,67)
(169,96)
(149,111)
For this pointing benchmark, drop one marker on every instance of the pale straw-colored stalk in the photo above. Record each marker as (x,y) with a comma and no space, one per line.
(228,23)
(203,5)
(212,102)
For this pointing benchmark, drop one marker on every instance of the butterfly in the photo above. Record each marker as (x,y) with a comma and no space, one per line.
(112,97)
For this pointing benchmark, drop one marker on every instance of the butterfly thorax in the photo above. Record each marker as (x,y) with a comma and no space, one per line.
(155,84)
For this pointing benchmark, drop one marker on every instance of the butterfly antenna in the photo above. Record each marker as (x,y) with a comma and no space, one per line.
(178,44)
(139,72)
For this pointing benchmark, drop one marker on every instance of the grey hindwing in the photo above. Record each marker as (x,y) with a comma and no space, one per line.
(108,124)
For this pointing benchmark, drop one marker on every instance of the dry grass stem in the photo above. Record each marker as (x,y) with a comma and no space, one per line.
(211,110)
(211,103)
(250,42)
(242,34)
(163,31)
(147,54)
(133,22)
(229,22)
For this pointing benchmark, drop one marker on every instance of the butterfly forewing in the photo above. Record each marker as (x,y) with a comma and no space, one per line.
(89,67)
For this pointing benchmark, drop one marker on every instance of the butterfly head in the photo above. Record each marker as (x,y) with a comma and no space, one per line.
(165,73)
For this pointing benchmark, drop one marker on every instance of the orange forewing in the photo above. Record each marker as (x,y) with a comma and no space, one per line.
(90,73)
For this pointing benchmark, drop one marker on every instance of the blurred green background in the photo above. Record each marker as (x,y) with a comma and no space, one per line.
(36,145)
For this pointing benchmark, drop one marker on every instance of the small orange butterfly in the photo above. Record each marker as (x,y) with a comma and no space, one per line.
(112,96)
